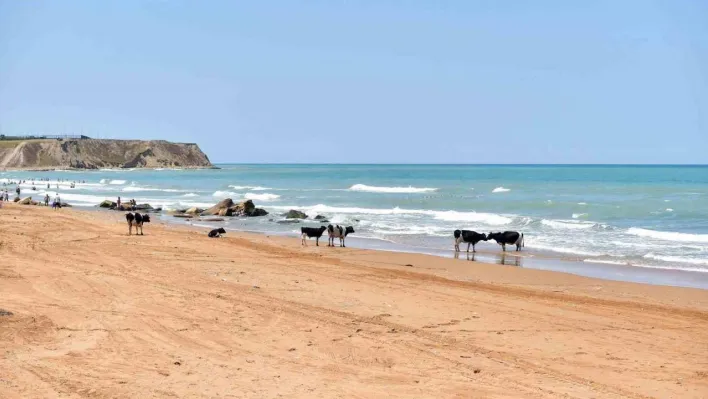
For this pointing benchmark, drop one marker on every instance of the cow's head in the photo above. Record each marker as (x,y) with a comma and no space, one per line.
(323,228)
(493,236)
(348,230)
(146,218)
(221,230)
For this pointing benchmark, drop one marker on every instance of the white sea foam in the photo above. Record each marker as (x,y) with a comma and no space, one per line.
(478,217)
(579,215)
(676,259)
(398,190)
(669,210)
(668,235)
(582,203)
(254,188)
(262,197)
(501,190)
(139,188)
(562,249)
(568,224)
(191,195)
(450,216)
(610,262)
(117,182)
(225,194)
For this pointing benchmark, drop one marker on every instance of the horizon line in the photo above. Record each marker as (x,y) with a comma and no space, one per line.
(460,164)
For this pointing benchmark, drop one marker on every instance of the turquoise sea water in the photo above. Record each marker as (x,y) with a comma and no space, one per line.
(643,216)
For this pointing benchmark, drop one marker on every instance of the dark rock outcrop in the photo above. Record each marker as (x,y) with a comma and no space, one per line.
(295,214)
(107,204)
(227,207)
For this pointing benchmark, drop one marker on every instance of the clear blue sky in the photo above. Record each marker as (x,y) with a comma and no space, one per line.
(367,81)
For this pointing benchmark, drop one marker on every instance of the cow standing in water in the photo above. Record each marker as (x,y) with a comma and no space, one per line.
(468,236)
(508,238)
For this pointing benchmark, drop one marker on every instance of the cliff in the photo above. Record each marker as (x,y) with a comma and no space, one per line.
(94,154)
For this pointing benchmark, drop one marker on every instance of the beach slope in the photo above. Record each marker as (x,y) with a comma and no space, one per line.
(96,313)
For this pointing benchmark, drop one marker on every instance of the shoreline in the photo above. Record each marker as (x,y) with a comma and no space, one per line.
(175,313)
(538,260)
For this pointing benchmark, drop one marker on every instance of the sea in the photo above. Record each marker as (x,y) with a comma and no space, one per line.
(632,218)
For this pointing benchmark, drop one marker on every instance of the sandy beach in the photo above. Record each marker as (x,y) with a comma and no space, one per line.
(99,314)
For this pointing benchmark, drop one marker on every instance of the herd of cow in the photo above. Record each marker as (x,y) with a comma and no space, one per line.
(470,237)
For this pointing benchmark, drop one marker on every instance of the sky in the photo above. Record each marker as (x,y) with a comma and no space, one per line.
(366,81)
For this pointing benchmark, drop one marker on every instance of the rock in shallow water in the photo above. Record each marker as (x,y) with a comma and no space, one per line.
(295,214)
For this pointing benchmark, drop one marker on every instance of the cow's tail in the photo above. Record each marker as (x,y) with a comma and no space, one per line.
(522,241)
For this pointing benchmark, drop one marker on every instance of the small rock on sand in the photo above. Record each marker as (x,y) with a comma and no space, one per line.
(4,312)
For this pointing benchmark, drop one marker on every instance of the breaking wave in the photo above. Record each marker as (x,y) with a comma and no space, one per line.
(501,190)
(668,235)
(398,190)
(254,188)
(262,197)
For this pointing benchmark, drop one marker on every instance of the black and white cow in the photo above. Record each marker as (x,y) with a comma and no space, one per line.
(309,232)
(338,232)
(468,236)
(216,233)
(508,238)
(136,220)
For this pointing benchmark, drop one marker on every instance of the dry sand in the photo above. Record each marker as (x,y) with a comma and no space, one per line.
(99,314)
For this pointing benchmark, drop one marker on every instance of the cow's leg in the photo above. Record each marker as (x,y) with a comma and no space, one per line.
(504,247)
(130,229)
(302,240)
(473,249)
(317,241)
(343,246)
(468,246)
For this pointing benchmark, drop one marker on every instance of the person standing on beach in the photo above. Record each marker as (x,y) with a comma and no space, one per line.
(46,200)
(118,204)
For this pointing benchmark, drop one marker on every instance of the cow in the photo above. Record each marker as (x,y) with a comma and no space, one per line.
(137,220)
(508,237)
(468,236)
(338,232)
(309,232)
(216,233)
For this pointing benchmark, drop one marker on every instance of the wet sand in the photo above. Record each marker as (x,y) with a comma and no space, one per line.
(99,314)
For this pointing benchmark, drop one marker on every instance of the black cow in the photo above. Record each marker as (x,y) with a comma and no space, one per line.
(137,220)
(216,233)
(309,232)
(468,236)
(338,232)
(508,237)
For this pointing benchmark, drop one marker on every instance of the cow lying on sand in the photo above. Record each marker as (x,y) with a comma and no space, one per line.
(508,238)
(468,236)
(216,233)
(309,232)
(136,220)
(338,232)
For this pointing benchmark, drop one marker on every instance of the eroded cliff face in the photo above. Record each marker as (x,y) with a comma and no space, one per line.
(95,154)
